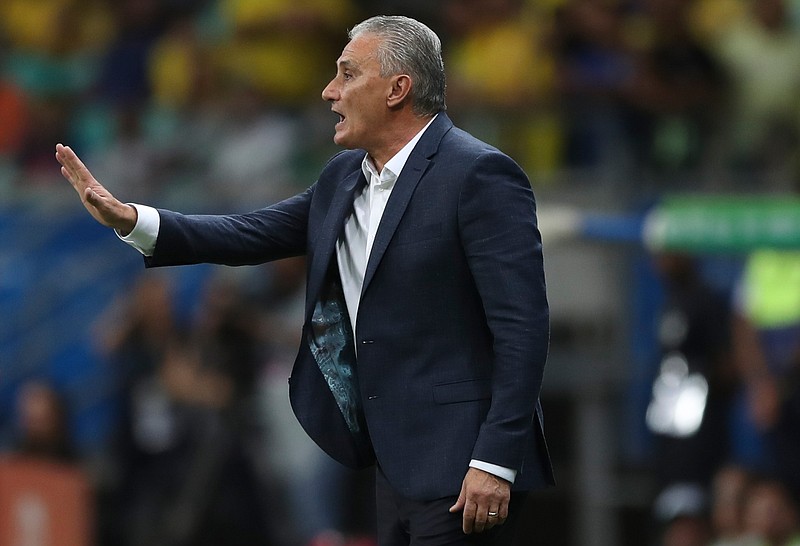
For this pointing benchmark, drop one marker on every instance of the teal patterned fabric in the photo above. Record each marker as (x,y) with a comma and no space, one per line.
(331,343)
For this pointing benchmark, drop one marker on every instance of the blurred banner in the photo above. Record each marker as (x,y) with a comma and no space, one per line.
(724,224)
(43,504)
(700,224)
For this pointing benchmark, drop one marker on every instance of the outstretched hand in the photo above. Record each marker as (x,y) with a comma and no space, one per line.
(103,206)
(484,501)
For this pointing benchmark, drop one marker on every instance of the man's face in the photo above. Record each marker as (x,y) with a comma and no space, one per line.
(358,95)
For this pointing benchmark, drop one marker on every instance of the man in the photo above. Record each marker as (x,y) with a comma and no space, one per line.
(426,327)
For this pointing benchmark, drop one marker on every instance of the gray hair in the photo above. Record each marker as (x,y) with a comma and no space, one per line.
(409,47)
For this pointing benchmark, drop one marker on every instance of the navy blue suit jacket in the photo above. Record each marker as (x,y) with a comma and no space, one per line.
(452,328)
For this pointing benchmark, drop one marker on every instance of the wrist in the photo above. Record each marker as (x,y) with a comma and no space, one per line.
(128,220)
(507,474)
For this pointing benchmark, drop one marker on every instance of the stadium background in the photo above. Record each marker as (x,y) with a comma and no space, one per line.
(613,107)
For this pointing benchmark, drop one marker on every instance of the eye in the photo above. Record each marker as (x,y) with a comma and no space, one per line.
(347,76)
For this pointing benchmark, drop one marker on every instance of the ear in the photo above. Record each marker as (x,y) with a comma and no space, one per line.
(400,90)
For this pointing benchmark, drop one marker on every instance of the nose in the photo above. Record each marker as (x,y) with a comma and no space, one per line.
(330,93)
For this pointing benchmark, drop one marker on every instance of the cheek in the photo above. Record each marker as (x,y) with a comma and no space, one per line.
(354,122)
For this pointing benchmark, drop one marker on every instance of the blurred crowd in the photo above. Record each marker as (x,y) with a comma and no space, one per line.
(743,510)
(215,105)
(204,449)
(222,96)
(725,407)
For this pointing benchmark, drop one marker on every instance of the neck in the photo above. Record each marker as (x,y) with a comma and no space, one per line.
(398,135)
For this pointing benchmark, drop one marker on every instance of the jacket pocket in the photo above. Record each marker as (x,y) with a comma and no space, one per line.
(462,391)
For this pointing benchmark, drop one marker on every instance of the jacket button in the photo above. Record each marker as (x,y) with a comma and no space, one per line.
(367,341)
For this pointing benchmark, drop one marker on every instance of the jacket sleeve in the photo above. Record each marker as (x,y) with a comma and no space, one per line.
(498,226)
(271,233)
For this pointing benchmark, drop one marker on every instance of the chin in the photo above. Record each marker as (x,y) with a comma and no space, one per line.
(341,140)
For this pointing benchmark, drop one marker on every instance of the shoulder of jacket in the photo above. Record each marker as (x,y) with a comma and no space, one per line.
(459,140)
(467,150)
(345,159)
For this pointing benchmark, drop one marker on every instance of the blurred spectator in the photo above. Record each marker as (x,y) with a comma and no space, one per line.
(131,161)
(213,378)
(55,27)
(185,477)
(123,76)
(280,296)
(158,145)
(179,67)
(43,429)
(255,150)
(14,112)
(135,331)
(45,497)
(49,119)
(15,116)
(278,46)
(676,90)
(134,334)
(686,531)
(729,492)
(681,510)
(596,67)
(196,487)
(767,344)
(710,18)
(691,402)
(760,53)
(52,59)
(431,13)
(227,333)
(514,107)
(771,516)
(54,44)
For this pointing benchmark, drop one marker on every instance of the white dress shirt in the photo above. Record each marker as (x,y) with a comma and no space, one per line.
(352,249)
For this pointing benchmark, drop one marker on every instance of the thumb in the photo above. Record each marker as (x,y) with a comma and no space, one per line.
(104,202)
(460,502)
(91,197)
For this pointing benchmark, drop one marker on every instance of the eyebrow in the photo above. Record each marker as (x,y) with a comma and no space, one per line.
(346,63)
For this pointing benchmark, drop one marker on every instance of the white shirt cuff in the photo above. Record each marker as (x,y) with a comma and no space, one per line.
(145,233)
(507,474)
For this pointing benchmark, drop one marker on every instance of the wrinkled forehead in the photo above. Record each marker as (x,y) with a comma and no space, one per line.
(360,51)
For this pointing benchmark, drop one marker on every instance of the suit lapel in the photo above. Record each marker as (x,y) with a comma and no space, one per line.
(341,206)
(404,188)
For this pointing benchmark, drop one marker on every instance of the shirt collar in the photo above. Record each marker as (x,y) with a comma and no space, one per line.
(392,169)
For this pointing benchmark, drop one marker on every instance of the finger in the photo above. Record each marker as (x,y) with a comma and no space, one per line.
(502,514)
(70,158)
(73,169)
(68,170)
(66,174)
(459,504)
(492,517)
(92,198)
(468,520)
(83,192)
(59,152)
(480,523)
(64,156)
(77,170)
